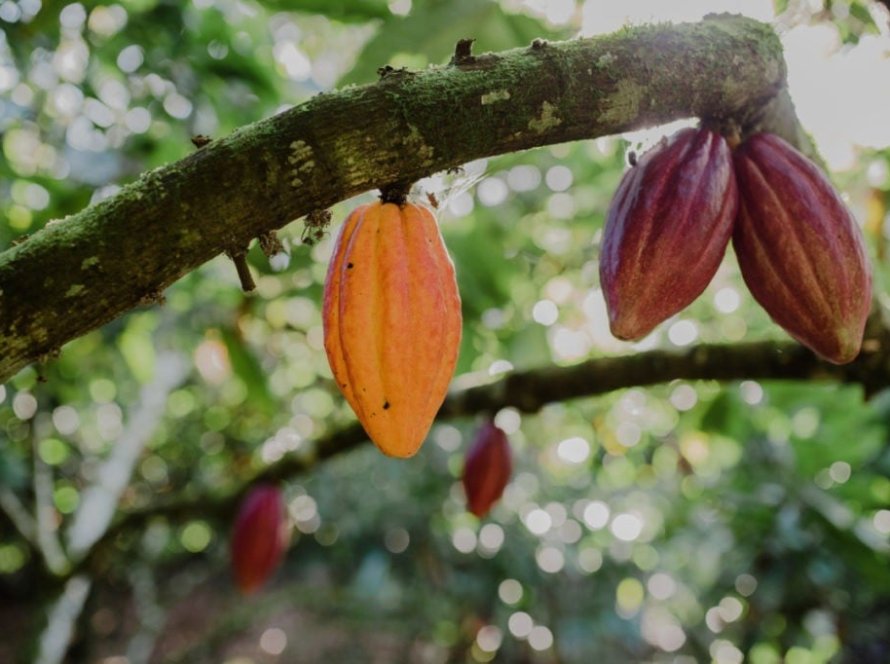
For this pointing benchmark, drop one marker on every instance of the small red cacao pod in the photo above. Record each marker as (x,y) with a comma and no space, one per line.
(487,469)
(667,230)
(259,537)
(392,321)
(800,250)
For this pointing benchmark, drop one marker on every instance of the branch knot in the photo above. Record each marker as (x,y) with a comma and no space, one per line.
(463,53)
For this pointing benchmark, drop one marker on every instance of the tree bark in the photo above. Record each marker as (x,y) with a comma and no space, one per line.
(83,271)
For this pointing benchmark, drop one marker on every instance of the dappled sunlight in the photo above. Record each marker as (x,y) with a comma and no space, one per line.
(859,78)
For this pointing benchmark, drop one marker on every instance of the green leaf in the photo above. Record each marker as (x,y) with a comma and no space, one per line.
(248,369)
(137,347)
(482,273)
(529,347)
(859,11)
(725,415)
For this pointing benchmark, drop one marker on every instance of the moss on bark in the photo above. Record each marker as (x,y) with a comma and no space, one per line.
(81,272)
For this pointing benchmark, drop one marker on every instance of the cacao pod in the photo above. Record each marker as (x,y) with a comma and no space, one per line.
(392,322)
(667,230)
(799,249)
(259,537)
(487,469)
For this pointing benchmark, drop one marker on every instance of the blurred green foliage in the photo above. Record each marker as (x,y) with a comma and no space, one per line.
(687,522)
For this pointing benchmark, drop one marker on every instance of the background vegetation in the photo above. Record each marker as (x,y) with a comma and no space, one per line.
(691,521)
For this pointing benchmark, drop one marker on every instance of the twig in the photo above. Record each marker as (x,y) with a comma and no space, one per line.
(463,52)
(239,258)
(270,244)
(315,226)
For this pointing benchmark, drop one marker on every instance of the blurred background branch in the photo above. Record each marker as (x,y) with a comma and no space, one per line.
(19,515)
(46,520)
(61,618)
(99,501)
(529,391)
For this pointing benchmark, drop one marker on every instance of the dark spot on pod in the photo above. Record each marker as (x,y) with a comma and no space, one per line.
(349,266)
(386,405)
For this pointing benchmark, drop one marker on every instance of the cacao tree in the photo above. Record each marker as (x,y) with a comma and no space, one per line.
(172,183)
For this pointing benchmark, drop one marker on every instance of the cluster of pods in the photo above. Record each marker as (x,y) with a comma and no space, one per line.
(799,248)
(392,311)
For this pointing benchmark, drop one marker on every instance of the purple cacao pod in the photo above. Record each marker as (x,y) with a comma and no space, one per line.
(487,469)
(259,537)
(799,249)
(667,230)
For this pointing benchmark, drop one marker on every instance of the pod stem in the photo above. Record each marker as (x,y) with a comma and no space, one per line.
(239,258)
(726,127)
(395,193)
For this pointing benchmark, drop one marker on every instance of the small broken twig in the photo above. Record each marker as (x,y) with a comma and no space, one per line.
(463,52)
(239,258)
(316,225)
(270,244)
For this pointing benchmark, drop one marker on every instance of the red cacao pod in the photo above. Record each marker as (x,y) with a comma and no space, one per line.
(259,537)
(392,322)
(667,230)
(487,469)
(799,249)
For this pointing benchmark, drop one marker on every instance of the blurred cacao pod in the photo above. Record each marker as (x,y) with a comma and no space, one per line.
(487,469)
(259,537)
(667,230)
(800,250)
(392,322)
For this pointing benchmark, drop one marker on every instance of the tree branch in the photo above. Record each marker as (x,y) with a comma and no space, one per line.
(529,391)
(81,272)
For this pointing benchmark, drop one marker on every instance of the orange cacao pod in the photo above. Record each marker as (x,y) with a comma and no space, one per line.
(392,321)
(667,230)
(259,537)
(487,469)
(799,249)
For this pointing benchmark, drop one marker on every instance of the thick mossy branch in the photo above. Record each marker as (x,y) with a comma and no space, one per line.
(86,270)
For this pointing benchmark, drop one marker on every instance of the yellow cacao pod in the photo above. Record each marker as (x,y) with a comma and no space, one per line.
(392,322)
